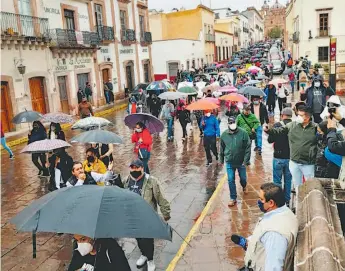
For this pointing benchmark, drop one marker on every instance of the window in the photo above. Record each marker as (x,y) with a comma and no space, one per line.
(69,19)
(224,53)
(323,54)
(193,63)
(227,52)
(218,53)
(99,15)
(24,7)
(323,24)
(187,65)
(142,25)
(202,63)
(123,19)
(147,72)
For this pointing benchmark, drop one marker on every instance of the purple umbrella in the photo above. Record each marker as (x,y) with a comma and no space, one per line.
(46,145)
(151,122)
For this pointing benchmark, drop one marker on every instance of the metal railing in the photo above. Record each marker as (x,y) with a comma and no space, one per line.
(236,34)
(71,38)
(295,37)
(30,27)
(210,37)
(323,32)
(105,33)
(128,36)
(146,38)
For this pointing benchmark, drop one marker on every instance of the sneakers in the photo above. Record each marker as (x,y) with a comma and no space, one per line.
(151,266)
(245,190)
(183,138)
(208,164)
(232,203)
(40,172)
(256,148)
(12,156)
(259,151)
(142,261)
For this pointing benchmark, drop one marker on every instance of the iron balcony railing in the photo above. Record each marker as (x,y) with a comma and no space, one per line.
(323,32)
(105,33)
(28,27)
(145,38)
(295,37)
(74,39)
(128,36)
(210,37)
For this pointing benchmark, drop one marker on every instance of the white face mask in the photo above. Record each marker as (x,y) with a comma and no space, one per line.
(208,114)
(138,130)
(299,119)
(84,248)
(232,126)
(317,84)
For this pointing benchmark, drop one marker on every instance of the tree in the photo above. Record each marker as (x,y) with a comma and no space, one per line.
(275,32)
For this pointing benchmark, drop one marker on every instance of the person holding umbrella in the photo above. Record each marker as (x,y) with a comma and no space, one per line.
(98,255)
(55,132)
(38,133)
(148,187)
(183,116)
(143,144)
(210,126)
(167,114)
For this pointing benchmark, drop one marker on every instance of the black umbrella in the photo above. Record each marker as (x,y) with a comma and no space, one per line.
(288,71)
(93,211)
(26,116)
(254,91)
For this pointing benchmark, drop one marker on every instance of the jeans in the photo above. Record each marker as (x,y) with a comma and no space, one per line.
(300,170)
(210,144)
(107,98)
(170,123)
(258,139)
(184,129)
(7,148)
(146,162)
(147,247)
(292,84)
(280,169)
(334,158)
(281,101)
(231,178)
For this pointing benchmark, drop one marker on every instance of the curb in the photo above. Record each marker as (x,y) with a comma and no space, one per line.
(66,126)
(195,227)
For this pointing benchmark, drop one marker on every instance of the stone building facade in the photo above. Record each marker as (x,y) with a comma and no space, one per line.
(274,16)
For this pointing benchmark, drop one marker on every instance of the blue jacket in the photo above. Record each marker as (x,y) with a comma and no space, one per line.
(211,127)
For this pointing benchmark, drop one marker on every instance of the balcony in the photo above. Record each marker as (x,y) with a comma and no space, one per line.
(145,38)
(323,32)
(128,36)
(295,37)
(245,30)
(142,4)
(25,28)
(210,38)
(105,33)
(67,38)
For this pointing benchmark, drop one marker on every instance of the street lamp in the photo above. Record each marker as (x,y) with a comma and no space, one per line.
(21,69)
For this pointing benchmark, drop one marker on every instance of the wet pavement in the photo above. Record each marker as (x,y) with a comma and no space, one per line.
(186,182)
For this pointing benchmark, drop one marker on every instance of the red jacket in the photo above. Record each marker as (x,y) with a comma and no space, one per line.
(146,140)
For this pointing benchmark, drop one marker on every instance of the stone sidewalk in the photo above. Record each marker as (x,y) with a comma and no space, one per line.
(211,247)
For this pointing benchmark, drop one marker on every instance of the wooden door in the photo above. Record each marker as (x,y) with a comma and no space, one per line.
(6,110)
(82,78)
(105,75)
(63,93)
(129,76)
(37,94)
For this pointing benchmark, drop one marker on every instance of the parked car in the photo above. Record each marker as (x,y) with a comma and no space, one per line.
(277,66)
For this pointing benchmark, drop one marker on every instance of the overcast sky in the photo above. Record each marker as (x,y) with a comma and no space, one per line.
(168,5)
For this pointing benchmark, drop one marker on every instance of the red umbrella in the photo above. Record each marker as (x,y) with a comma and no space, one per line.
(202,104)
(234,97)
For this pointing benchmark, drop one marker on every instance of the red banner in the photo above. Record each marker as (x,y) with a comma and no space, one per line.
(333,49)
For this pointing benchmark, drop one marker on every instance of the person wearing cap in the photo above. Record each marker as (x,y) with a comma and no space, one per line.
(316,97)
(235,151)
(249,122)
(210,127)
(281,155)
(148,188)
(302,135)
(85,108)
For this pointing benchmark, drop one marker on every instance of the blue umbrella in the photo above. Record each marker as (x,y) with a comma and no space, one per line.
(236,62)
(229,63)
(233,69)
(151,122)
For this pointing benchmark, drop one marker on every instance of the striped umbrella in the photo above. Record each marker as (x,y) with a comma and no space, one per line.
(46,145)
(58,117)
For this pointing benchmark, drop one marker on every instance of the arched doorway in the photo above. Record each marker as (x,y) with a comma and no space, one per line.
(38,100)
(129,70)
(6,107)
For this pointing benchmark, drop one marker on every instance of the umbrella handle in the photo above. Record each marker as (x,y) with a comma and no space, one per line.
(34,244)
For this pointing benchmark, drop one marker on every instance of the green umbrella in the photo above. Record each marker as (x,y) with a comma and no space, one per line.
(188,90)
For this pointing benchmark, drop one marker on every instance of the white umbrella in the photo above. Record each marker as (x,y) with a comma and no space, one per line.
(170,95)
(91,122)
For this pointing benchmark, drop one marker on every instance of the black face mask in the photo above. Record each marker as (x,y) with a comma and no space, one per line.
(91,159)
(136,174)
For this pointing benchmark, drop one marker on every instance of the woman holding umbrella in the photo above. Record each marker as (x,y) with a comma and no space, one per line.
(55,132)
(143,144)
(183,116)
(38,133)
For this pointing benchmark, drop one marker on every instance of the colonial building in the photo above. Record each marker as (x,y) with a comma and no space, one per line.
(224,46)
(50,49)
(274,17)
(256,23)
(182,40)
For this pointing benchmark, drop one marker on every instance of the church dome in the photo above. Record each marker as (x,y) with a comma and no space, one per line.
(265,5)
(277,5)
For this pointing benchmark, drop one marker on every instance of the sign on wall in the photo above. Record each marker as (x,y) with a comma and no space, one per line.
(63,64)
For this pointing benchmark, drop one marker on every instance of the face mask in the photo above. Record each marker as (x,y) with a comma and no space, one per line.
(208,114)
(261,206)
(232,126)
(256,102)
(91,159)
(36,127)
(84,248)
(136,174)
(299,119)
(317,84)
(138,130)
